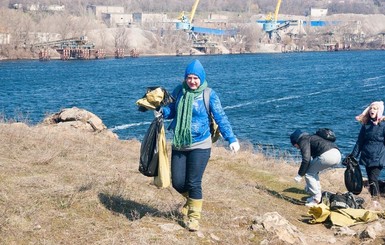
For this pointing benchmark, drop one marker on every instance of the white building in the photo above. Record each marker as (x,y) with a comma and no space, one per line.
(315,12)
(149,18)
(53,8)
(117,19)
(99,10)
(5,38)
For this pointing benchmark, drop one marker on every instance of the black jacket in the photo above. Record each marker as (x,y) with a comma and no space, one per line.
(370,144)
(312,146)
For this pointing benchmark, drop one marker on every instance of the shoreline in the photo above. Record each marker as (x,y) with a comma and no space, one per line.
(176,55)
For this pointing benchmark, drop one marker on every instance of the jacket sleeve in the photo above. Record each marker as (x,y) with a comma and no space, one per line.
(169,111)
(221,118)
(305,148)
(358,146)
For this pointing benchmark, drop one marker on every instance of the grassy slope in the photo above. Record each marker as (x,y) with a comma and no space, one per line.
(74,187)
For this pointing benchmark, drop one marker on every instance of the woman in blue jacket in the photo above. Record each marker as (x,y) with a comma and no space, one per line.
(370,143)
(191,146)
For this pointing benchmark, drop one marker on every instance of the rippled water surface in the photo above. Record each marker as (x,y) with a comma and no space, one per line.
(266,96)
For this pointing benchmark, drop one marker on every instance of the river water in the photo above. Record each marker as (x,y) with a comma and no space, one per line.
(266,96)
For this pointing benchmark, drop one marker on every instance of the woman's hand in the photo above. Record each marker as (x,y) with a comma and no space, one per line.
(158,112)
(235,146)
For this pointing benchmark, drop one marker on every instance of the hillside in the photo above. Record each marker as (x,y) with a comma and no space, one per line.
(72,187)
(147,42)
(358,31)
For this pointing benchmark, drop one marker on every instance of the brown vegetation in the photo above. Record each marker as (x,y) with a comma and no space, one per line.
(76,187)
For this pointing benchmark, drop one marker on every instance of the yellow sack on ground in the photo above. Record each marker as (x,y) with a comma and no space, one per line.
(319,213)
(341,217)
(351,216)
(163,180)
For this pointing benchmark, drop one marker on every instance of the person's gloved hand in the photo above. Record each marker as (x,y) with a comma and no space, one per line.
(350,158)
(298,178)
(235,146)
(158,112)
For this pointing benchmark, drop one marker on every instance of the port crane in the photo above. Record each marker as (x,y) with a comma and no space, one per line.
(186,21)
(272,26)
(186,24)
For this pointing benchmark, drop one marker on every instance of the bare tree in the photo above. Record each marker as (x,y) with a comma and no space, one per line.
(120,38)
(103,38)
(250,35)
(64,25)
(19,26)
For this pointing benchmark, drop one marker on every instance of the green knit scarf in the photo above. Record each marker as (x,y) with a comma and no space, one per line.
(182,133)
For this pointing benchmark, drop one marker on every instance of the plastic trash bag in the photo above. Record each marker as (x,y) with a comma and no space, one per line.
(353,175)
(163,180)
(149,151)
(153,150)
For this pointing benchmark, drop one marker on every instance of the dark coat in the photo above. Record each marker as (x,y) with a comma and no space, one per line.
(312,146)
(370,145)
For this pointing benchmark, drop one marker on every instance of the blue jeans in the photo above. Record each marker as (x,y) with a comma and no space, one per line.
(187,168)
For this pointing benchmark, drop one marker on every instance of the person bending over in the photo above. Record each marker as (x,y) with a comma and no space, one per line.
(317,154)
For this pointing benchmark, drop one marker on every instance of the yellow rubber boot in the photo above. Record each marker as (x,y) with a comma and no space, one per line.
(184,210)
(194,213)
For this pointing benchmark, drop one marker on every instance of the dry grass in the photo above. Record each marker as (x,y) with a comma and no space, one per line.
(71,187)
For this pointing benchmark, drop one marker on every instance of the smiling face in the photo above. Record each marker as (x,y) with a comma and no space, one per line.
(193,81)
(373,111)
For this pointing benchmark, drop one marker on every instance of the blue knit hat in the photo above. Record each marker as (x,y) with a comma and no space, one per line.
(294,137)
(197,69)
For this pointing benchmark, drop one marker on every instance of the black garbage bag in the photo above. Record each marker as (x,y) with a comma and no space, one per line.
(149,151)
(353,175)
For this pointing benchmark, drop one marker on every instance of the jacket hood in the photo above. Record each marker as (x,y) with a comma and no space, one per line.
(294,137)
(197,69)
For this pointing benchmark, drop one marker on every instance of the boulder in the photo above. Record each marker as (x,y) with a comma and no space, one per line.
(78,118)
(280,229)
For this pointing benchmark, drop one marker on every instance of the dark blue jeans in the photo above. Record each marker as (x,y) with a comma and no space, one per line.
(187,168)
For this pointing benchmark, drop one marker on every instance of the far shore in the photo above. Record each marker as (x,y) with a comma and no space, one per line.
(183,54)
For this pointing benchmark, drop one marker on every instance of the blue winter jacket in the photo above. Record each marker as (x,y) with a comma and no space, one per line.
(370,145)
(200,125)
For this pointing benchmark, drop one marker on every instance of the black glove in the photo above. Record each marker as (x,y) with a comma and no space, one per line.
(349,159)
